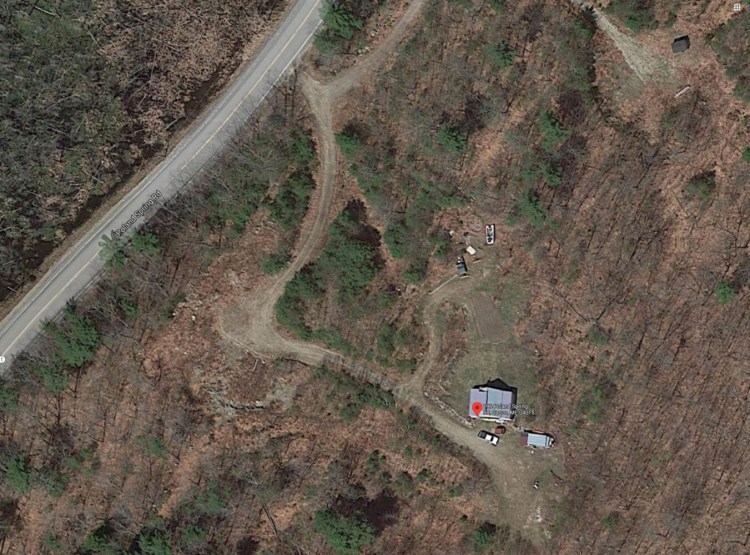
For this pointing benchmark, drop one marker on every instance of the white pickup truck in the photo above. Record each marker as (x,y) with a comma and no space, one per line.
(487,436)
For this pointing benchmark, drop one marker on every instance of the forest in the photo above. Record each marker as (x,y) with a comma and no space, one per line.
(121,453)
(624,209)
(92,91)
(622,221)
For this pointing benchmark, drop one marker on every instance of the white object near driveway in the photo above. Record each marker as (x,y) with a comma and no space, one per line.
(487,436)
(489,231)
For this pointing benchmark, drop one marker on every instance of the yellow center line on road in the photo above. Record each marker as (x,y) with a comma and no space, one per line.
(252,89)
(205,143)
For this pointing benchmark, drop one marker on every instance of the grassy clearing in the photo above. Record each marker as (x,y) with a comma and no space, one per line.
(503,358)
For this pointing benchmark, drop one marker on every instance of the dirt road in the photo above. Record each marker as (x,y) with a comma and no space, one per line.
(644,64)
(80,267)
(250,323)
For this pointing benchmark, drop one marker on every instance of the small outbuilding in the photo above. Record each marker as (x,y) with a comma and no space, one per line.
(680,44)
(534,439)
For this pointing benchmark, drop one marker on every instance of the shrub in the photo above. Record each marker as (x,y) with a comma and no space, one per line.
(341,23)
(554,133)
(54,481)
(636,14)
(530,208)
(385,339)
(155,543)
(700,186)
(209,502)
(332,337)
(303,150)
(18,475)
(497,5)
(724,293)
(406,365)
(501,54)
(101,541)
(374,463)
(52,544)
(451,139)
(130,308)
(590,405)
(290,205)
(349,145)
(395,238)
(416,272)
(746,154)
(482,540)
(404,484)
(145,242)
(170,305)
(597,336)
(273,263)
(551,173)
(194,539)
(154,445)
(347,536)
(455,491)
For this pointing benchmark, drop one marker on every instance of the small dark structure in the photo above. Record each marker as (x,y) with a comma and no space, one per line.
(680,44)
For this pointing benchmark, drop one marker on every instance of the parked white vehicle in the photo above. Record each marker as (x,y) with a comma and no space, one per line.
(489,232)
(487,436)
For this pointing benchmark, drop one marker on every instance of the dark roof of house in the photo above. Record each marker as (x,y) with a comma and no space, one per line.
(497,383)
(680,44)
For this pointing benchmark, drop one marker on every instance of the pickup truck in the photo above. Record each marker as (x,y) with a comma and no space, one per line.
(487,436)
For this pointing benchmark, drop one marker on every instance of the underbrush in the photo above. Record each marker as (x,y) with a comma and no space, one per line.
(730,44)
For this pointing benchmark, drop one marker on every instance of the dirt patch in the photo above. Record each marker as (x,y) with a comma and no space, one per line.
(645,64)
(487,317)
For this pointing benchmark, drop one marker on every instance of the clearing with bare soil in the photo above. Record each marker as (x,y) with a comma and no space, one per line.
(614,298)
(249,321)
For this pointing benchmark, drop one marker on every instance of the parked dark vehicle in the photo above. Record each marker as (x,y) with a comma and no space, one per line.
(461,268)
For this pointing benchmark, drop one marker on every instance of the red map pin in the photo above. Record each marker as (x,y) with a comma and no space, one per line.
(477,408)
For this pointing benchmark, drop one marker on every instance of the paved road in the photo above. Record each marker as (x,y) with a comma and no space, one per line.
(80,266)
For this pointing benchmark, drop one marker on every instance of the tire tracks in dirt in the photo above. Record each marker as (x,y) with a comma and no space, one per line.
(643,63)
(249,323)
